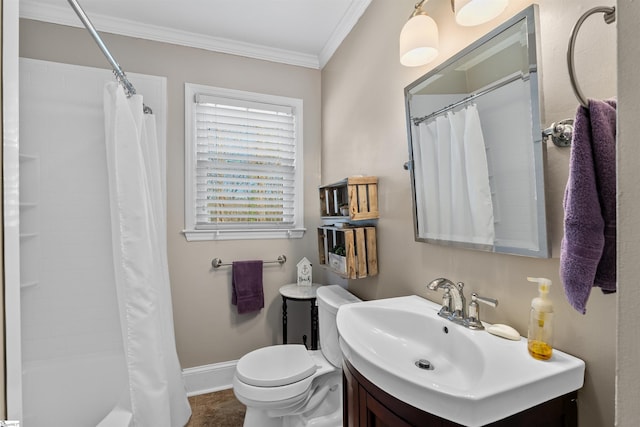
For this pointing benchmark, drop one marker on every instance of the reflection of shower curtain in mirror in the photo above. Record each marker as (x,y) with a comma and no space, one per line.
(455,202)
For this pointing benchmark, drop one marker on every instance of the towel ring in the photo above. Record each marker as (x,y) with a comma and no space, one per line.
(609,17)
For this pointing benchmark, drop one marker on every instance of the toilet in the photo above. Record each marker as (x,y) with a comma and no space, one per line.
(290,386)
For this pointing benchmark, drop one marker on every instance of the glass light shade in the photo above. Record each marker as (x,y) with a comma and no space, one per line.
(418,41)
(476,12)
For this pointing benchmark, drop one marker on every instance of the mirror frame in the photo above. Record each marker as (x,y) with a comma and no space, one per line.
(530,14)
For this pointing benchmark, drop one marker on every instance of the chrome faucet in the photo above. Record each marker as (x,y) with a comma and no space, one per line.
(454,304)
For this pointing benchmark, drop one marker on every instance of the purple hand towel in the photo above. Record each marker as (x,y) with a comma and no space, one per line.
(246,286)
(588,250)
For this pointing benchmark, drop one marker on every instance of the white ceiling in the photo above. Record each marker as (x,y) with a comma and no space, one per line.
(297,32)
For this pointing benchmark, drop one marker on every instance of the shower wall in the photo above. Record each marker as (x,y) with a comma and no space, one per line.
(72,351)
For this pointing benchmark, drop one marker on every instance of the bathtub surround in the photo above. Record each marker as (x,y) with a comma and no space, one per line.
(74,335)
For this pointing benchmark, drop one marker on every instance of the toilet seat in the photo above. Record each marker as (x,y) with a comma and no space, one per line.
(283,395)
(276,366)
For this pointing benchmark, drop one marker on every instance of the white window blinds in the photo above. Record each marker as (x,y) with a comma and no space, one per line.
(245,163)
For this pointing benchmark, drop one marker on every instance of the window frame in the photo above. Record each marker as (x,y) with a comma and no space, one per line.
(277,231)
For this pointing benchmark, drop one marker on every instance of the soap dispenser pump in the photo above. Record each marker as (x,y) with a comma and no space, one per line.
(540,344)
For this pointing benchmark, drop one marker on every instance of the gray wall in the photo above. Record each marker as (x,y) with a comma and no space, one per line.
(628,374)
(363,131)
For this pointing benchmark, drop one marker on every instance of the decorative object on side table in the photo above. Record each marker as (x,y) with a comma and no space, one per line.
(304,272)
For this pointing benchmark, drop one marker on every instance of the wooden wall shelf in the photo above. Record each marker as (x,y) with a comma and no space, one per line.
(360,257)
(357,195)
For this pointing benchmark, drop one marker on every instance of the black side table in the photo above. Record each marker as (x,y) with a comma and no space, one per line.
(301,293)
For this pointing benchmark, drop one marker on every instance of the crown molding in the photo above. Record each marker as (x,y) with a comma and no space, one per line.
(346,24)
(66,16)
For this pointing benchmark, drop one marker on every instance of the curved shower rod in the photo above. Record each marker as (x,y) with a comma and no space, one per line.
(117,70)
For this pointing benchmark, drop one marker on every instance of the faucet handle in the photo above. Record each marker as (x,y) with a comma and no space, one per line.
(473,321)
(445,311)
(489,301)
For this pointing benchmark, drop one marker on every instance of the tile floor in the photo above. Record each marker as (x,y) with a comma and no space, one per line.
(219,409)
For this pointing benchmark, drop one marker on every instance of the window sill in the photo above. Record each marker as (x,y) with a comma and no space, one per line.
(200,235)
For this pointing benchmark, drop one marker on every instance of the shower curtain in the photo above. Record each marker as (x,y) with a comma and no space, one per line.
(156,394)
(455,202)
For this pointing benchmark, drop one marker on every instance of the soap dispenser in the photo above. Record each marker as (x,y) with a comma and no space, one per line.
(540,335)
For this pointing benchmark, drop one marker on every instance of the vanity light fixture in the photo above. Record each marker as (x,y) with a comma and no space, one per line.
(475,12)
(419,38)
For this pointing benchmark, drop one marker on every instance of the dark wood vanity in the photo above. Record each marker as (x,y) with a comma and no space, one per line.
(366,405)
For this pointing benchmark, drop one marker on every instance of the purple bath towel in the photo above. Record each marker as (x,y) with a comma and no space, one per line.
(246,286)
(588,251)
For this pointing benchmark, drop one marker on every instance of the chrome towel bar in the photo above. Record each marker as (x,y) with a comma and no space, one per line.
(217,262)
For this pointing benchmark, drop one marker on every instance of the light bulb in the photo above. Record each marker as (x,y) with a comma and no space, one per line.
(476,12)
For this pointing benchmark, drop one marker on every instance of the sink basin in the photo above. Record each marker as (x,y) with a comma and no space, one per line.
(468,377)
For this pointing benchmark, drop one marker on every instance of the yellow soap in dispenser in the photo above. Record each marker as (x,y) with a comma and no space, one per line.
(540,336)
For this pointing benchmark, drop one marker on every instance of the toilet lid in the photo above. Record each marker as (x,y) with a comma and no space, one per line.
(275,366)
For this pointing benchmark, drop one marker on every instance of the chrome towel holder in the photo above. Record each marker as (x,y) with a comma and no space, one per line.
(217,262)
(561,132)
(609,17)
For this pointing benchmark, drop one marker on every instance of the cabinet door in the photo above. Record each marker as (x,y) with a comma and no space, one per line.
(351,400)
(379,416)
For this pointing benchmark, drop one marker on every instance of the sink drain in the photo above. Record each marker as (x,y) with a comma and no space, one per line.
(424,364)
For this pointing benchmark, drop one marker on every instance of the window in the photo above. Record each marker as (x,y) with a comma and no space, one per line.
(243,165)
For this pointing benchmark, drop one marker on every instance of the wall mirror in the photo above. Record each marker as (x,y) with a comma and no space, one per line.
(475,145)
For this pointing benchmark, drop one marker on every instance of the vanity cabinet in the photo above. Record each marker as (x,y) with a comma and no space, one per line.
(366,405)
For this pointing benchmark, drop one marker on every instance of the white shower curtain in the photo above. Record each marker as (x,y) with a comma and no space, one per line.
(427,182)
(455,202)
(477,172)
(156,394)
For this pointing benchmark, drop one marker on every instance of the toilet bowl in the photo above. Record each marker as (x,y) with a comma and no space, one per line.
(290,386)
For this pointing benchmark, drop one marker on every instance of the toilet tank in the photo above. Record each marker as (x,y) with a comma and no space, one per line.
(329,299)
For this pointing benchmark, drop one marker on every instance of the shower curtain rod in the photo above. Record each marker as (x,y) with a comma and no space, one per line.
(117,70)
(418,120)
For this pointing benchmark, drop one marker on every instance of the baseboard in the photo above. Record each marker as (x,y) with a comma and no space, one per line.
(209,378)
